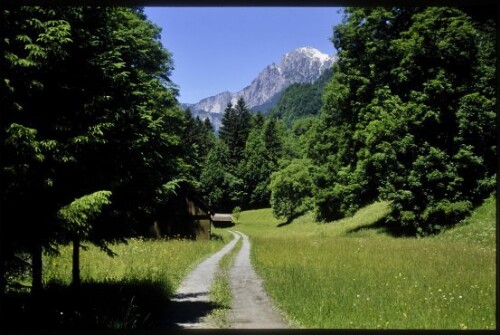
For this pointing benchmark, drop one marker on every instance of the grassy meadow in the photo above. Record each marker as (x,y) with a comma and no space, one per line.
(357,274)
(127,291)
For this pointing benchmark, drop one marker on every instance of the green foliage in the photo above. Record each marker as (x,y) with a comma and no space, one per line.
(238,168)
(78,215)
(479,229)
(254,170)
(301,100)
(236,212)
(197,140)
(87,105)
(291,190)
(222,190)
(235,128)
(406,118)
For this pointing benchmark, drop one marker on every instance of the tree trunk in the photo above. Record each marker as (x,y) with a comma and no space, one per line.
(76,263)
(3,280)
(36,283)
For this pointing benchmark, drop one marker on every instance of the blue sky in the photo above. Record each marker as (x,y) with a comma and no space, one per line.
(218,49)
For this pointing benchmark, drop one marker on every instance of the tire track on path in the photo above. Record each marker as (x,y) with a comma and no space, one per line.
(190,304)
(251,306)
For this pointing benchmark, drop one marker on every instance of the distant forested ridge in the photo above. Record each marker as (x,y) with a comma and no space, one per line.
(301,100)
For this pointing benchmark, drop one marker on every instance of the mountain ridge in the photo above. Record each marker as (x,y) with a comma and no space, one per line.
(302,65)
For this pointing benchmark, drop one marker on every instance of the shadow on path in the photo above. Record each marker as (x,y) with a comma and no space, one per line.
(191,302)
(185,310)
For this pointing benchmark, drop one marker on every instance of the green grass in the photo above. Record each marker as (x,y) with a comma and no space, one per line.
(127,291)
(478,230)
(355,274)
(162,261)
(220,293)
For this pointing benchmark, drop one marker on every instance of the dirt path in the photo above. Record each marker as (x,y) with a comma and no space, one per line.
(251,307)
(190,304)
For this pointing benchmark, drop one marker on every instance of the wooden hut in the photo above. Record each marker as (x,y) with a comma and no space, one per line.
(222,220)
(184,216)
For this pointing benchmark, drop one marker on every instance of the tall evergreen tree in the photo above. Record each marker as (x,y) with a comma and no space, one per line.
(228,125)
(236,125)
(197,140)
(273,141)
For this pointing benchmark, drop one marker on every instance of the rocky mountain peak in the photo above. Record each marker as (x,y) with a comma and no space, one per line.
(302,65)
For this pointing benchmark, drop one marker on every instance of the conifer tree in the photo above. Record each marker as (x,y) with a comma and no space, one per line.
(236,125)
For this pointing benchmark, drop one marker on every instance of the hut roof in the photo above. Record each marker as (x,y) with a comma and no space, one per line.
(222,217)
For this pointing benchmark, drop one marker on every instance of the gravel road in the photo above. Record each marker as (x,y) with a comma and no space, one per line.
(190,304)
(251,306)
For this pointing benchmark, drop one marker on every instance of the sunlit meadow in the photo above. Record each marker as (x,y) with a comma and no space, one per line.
(354,274)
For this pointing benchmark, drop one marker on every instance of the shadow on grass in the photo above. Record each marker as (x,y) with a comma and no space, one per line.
(98,305)
(290,220)
(382,227)
(216,237)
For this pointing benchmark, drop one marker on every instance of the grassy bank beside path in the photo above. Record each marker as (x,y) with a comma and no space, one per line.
(166,261)
(127,291)
(355,273)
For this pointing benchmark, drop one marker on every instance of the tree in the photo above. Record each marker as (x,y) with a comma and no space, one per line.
(393,121)
(197,140)
(235,127)
(227,130)
(222,190)
(263,150)
(255,171)
(291,190)
(115,124)
(273,141)
(208,125)
(77,223)
(34,41)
